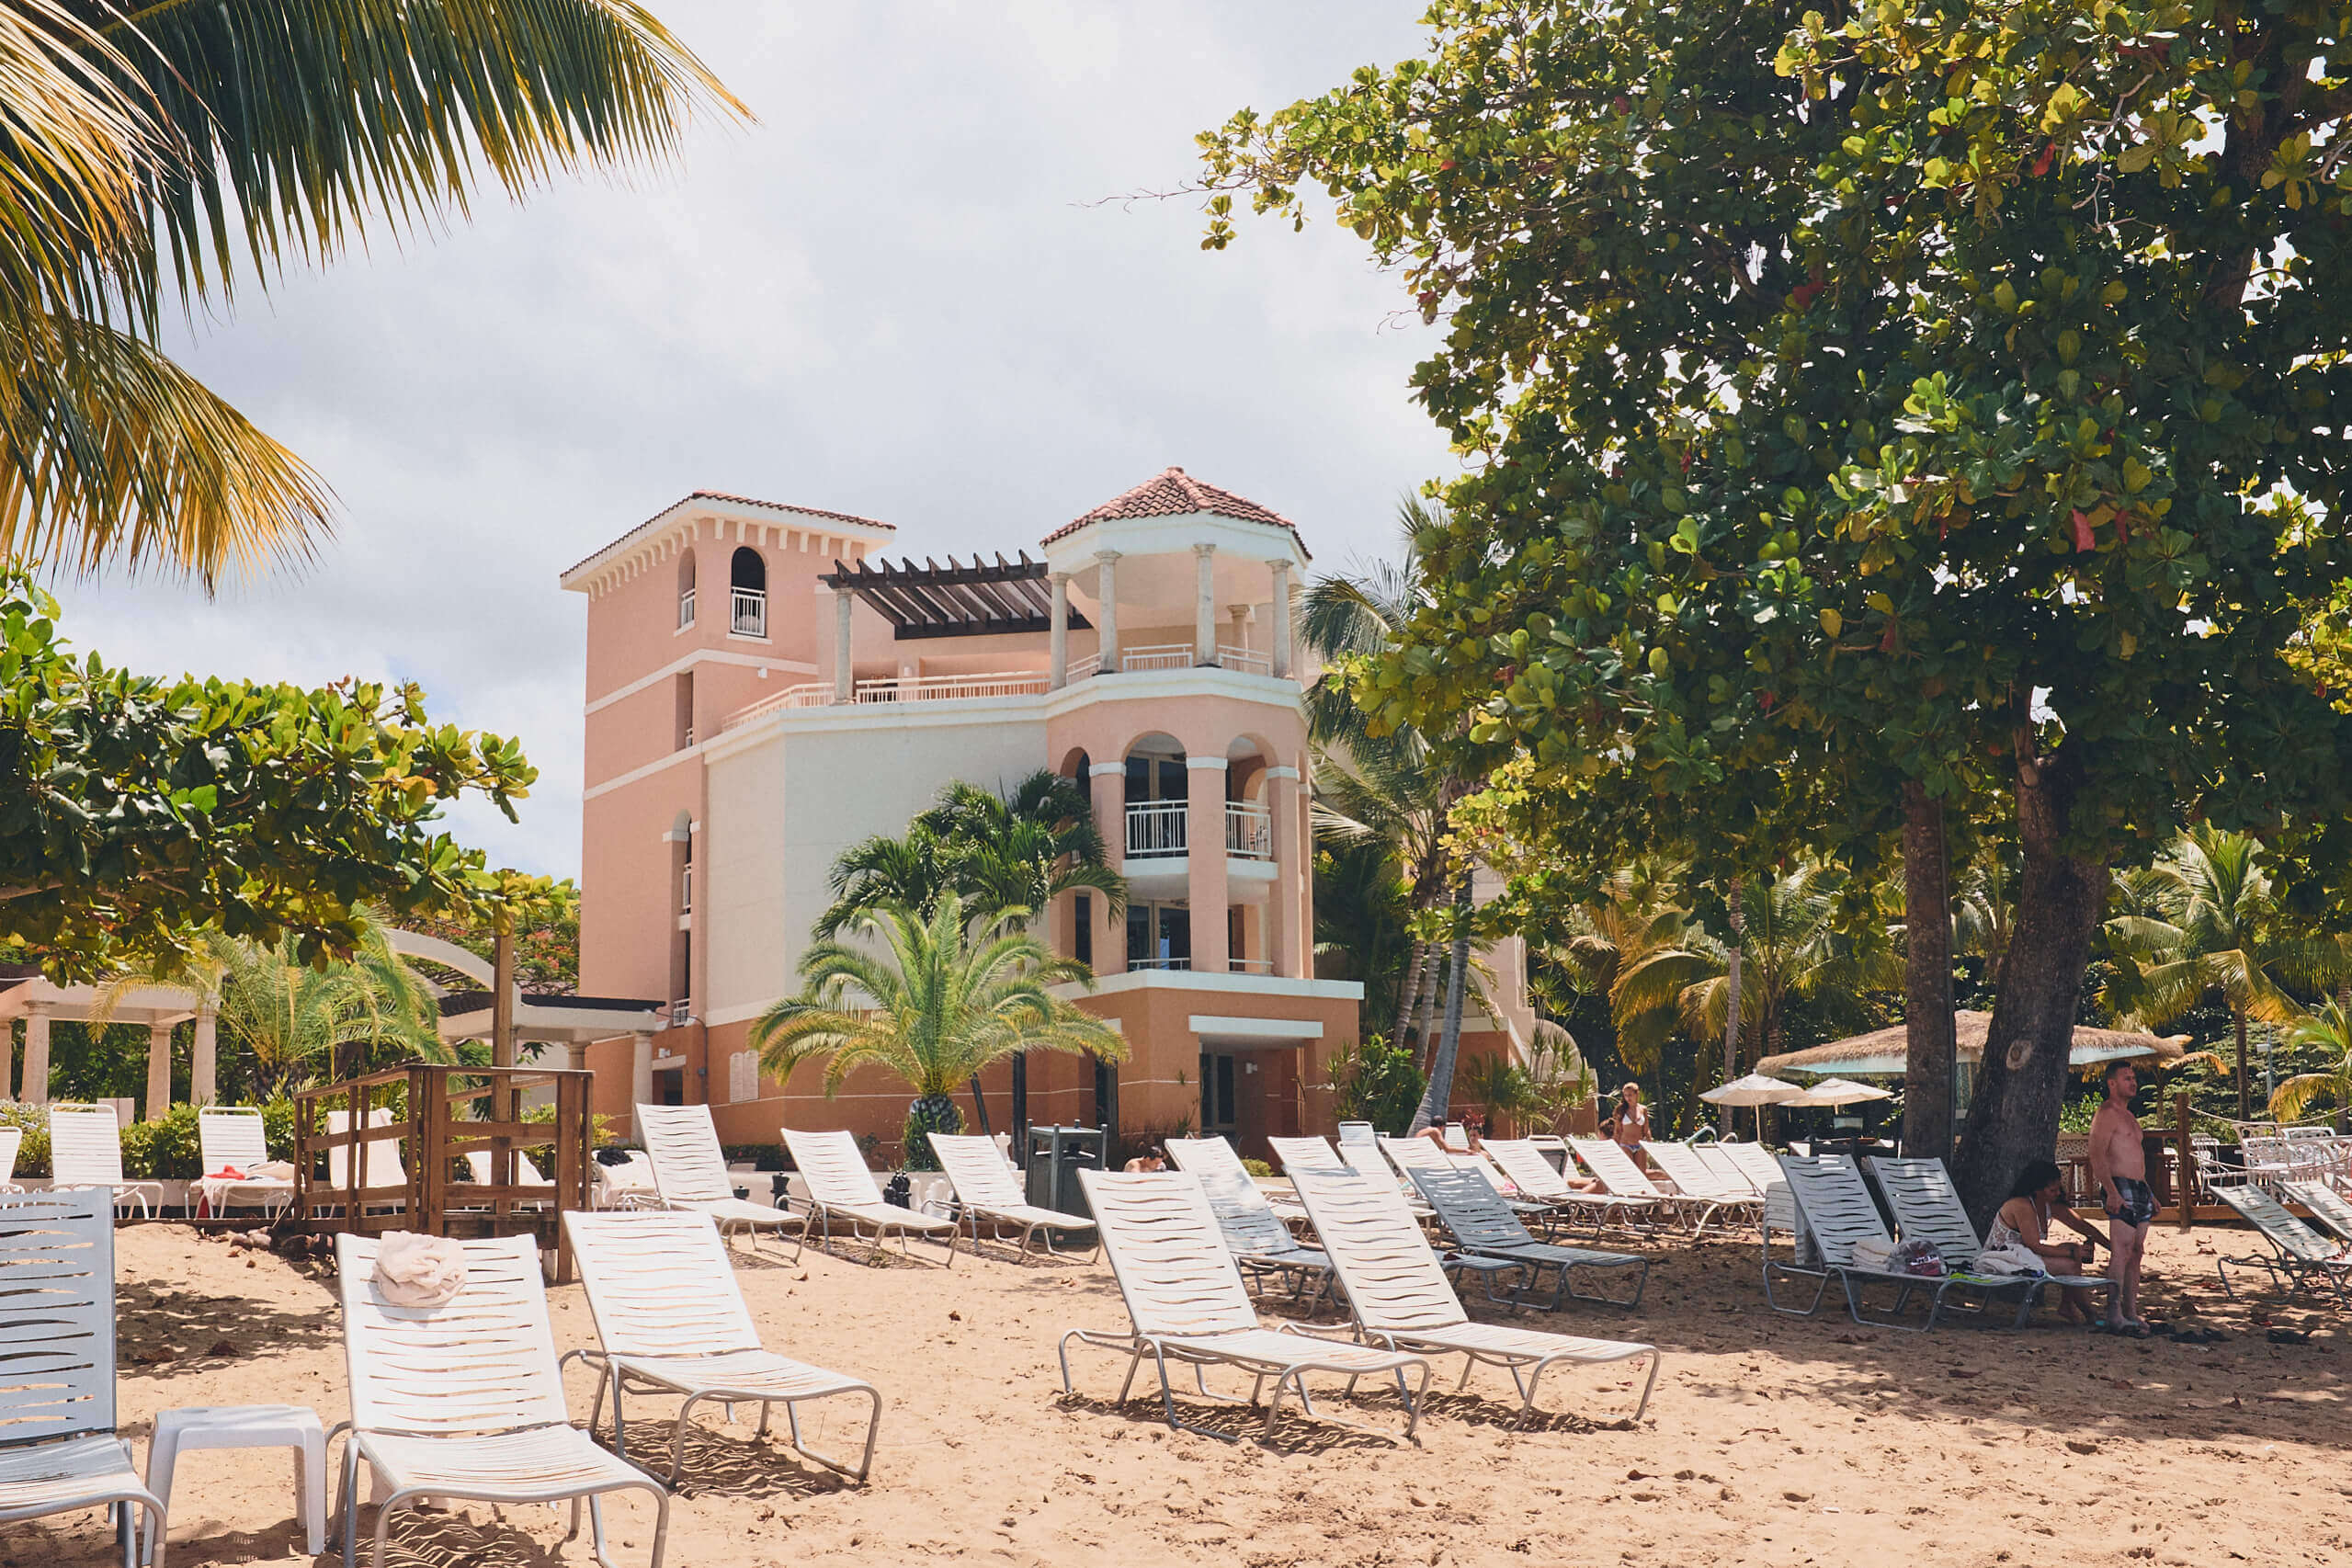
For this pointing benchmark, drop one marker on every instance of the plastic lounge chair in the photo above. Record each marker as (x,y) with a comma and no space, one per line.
(1620,1174)
(383,1181)
(1928,1208)
(1399,1295)
(1834,1207)
(1305,1153)
(2327,1205)
(1468,1205)
(690,1175)
(11,1139)
(1411,1154)
(1718,1158)
(483,1171)
(466,1400)
(1261,1243)
(1185,1302)
(1523,1161)
(671,1318)
(57,1408)
(1849,1212)
(233,1137)
(840,1185)
(2300,1256)
(1696,1182)
(987,1188)
(85,1150)
(626,1184)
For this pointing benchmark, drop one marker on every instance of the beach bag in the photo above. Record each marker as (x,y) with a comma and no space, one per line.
(2009,1258)
(1917,1257)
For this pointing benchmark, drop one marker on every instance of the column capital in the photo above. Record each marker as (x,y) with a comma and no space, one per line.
(1286,773)
(1204,763)
(1204,547)
(38,1009)
(1103,770)
(1057,576)
(1105,556)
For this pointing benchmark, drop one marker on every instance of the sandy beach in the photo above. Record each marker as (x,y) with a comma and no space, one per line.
(1770,1439)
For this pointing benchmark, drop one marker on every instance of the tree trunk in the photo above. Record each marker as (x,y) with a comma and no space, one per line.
(1731,1001)
(1928,1045)
(2021,1082)
(1427,999)
(1417,958)
(1439,1097)
(980,1105)
(2246,1105)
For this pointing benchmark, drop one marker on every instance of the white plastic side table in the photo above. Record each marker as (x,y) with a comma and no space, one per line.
(294,1426)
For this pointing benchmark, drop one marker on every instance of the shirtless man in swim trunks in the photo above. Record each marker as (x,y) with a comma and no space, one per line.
(2120,1168)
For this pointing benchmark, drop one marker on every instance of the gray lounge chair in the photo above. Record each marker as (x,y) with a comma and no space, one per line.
(1469,1206)
(1928,1208)
(2300,1258)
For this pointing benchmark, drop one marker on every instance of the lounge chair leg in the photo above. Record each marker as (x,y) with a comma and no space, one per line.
(350,1503)
(619,1424)
(573,1533)
(767,1408)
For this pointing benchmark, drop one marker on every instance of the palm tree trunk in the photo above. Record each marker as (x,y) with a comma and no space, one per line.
(1428,998)
(1439,1098)
(1408,989)
(1731,978)
(2246,1105)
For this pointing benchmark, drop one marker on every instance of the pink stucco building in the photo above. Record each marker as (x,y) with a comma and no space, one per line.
(766,686)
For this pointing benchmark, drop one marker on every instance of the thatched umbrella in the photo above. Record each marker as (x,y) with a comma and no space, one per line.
(1882,1051)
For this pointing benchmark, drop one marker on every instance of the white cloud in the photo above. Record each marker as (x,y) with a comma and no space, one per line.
(891,297)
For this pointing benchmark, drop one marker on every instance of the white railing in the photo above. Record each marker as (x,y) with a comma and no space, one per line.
(1242,659)
(1250,966)
(751,612)
(1159,963)
(1155,827)
(945,688)
(1080,668)
(686,890)
(1249,831)
(685,609)
(809,694)
(1164,656)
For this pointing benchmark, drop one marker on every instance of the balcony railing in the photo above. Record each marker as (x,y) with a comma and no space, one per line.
(944,688)
(1159,963)
(1249,831)
(1244,660)
(809,694)
(1250,966)
(686,890)
(1163,656)
(750,612)
(1174,657)
(1155,827)
(685,609)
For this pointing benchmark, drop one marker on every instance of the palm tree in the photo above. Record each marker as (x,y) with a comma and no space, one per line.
(1637,946)
(947,997)
(290,1017)
(1800,943)
(2328,1026)
(157,149)
(2217,929)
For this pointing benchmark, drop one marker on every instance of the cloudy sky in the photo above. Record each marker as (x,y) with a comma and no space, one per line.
(889,297)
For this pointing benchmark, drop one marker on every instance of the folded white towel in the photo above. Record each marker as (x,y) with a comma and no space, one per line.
(419,1271)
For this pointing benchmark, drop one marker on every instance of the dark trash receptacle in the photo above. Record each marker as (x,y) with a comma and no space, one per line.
(1056,1156)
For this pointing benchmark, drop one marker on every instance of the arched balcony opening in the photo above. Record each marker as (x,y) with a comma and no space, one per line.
(685,590)
(1159,917)
(1158,787)
(748,585)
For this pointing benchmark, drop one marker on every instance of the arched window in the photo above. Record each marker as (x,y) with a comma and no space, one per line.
(747,580)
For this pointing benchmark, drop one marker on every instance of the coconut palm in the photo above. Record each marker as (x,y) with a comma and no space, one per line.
(2327,1026)
(947,995)
(1801,942)
(293,1018)
(157,151)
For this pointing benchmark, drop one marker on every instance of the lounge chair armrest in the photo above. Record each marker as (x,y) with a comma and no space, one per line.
(1344,1335)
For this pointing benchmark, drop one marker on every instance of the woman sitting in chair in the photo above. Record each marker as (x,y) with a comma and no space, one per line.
(2036,1197)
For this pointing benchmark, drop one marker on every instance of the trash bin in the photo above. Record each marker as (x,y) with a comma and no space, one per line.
(1056,1156)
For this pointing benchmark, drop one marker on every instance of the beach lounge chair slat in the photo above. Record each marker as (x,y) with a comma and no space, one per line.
(1185,1302)
(85,1150)
(2300,1256)
(1261,1243)
(670,1317)
(987,1188)
(1468,1205)
(1533,1174)
(1928,1208)
(466,1400)
(2327,1205)
(1696,1183)
(1400,1296)
(57,1338)
(841,1187)
(690,1175)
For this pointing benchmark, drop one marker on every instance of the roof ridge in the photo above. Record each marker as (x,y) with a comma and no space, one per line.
(699,495)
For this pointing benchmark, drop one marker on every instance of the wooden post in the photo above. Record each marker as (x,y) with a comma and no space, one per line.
(428,1109)
(2185,1161)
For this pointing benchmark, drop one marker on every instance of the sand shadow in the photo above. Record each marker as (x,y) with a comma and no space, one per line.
(163,1333)
(742,1464)
(1294,1432)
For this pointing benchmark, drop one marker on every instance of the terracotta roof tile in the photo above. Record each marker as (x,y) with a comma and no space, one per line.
(1172,492)
(738,501)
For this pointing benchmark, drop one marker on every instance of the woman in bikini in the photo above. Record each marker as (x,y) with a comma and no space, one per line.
(2036,1197)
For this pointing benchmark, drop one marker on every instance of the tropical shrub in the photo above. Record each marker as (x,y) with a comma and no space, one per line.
(1377,1082)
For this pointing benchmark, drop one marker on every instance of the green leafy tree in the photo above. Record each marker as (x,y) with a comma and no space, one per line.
(1936,400)
(160,151)
(547,936)
(135,812)
(949,994)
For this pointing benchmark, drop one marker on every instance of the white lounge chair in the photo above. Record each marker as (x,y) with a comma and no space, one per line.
(1468,1205)
(1261,1243)
(383,1181)
(1696,1182)
(2300,1256)
(626,1184)
(466,1400)
(1523,1161)
(1305,1153)
(1399,1295)
(57,1408)
(2327,1205)
(11,1139)
(1718,1158)
(988,1187)
(481,1168)
(840,1187)
(690,1175)
(1185,1303)
(1619,1175)
(85,1150)
(233,1137)
(671,1318)
(1834,1209)
(1411,1154)
(1928,1208)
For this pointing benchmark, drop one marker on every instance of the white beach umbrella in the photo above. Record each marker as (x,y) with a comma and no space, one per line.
(1837,1092)
(1755,1089)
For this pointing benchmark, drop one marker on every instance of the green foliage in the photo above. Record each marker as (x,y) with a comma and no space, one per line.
(1257,1167)
(924,1116)
(167,1149)
(135,810)
(1377,1082)
(547,940)
(32,1120)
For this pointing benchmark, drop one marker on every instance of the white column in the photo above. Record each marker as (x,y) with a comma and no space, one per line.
(35,1089)
(204,1059)
(641,1072)
(1205,886)
(841,690)
(1107,612)
(1281,904)
(1057,636)
(1281,611)
(1204,606)
(575,1057)
(159,1071)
